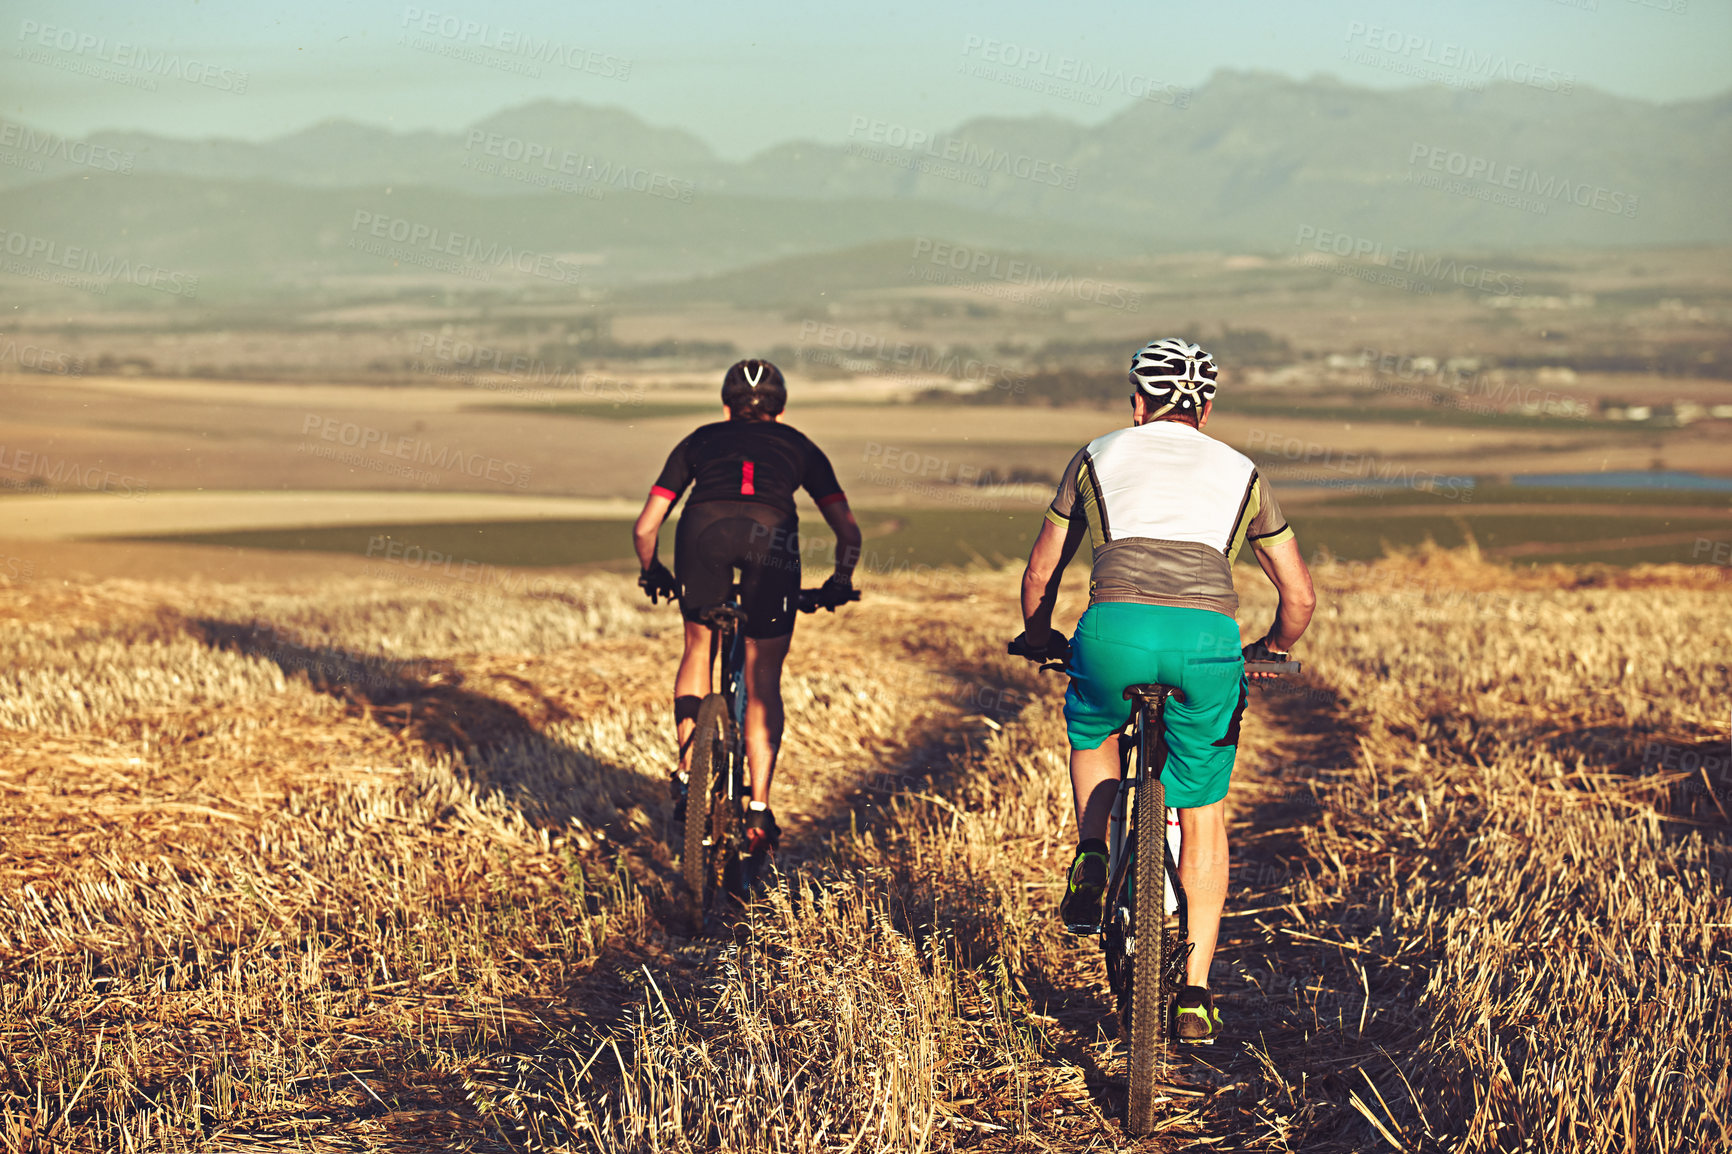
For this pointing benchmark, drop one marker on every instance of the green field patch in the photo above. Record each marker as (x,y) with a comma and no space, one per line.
(942,538)
(894,542)
(1484,495)
(1364,538)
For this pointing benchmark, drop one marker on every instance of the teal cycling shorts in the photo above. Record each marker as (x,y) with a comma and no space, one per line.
(1118,644)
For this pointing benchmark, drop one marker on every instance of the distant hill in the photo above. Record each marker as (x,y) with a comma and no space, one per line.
(1253,157)
(1247,165)
(252,237)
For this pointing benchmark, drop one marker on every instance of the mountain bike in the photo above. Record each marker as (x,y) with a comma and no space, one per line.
(1145,956)
(718,782)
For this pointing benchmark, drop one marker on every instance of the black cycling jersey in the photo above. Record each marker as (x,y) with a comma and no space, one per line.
(762,461)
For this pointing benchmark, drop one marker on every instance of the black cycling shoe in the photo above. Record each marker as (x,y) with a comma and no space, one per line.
(1081,908)
(761,831)
(677,791)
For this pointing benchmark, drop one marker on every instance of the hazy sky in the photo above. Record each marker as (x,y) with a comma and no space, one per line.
(745,74)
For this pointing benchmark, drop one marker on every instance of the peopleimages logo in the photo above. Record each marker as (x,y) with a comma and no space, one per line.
(1369,255)
(1358,471)
(429,568)
(497,46)
(365,439)
(915,143)
(40,358)
(982,265)
(1499,176)
(82,263)
(1457,384)
(913,359)
(49,475)
(1445,61)
(1067,77)
(525,376)
(35,147)
(427,245)
(86,52)
(584,172)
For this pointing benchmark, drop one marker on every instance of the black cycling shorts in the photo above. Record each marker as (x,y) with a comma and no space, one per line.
(716,537)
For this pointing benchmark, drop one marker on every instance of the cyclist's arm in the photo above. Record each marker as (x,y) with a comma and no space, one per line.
(674,477)
(649,526)
(819,481)
(1286,568)
(1052,551)
(841,521)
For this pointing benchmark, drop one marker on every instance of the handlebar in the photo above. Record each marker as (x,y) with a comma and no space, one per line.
(1055,655)
(1262,661)
(812,600)
(1272,666)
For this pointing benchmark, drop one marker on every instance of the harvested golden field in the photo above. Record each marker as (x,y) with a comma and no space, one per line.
(346,865)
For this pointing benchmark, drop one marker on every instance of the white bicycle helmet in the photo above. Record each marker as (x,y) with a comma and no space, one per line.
(1174,374)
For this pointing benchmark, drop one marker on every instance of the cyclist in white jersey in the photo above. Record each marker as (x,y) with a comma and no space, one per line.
(1166,508)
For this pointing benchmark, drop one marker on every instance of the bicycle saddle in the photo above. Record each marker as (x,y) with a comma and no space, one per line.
(1152,692)
(729,613)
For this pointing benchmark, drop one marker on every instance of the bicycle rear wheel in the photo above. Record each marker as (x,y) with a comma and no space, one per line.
(709,824)
(1149,924)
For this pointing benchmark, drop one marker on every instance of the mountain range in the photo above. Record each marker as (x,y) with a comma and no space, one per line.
(1251,162)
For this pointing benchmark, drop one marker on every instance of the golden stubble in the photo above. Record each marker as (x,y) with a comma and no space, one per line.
(356,865)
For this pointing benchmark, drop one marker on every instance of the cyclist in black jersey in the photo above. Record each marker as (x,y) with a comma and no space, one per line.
(743,473)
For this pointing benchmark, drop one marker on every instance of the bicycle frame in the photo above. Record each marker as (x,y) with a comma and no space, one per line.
(1144,756)
(728,649)
(1147,752)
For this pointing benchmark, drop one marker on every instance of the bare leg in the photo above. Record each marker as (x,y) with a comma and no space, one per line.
(1203,873)
(691,686)
(1094,778)
(764,709)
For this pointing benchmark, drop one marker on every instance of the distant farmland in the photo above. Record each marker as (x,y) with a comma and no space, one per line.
(1518,524)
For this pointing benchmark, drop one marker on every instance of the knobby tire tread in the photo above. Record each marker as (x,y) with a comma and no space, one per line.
(709,761)
(724,813)
(1149,920)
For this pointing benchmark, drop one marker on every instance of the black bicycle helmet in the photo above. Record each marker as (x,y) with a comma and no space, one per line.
(754,390)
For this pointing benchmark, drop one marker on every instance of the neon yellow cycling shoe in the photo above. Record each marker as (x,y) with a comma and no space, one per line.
(1197,1021)
(1080,910)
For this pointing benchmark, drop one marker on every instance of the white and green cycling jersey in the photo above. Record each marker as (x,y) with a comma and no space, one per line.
(1167,507)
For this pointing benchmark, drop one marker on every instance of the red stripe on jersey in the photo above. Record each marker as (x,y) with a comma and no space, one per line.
(658,491)
(746,489)
(831,499)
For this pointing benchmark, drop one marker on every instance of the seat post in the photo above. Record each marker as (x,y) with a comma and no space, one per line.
(1154,696)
